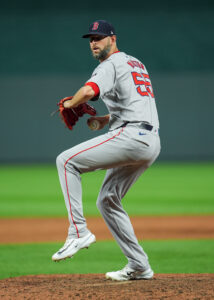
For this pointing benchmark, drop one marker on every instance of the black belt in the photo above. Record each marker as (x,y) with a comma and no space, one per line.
(141,125)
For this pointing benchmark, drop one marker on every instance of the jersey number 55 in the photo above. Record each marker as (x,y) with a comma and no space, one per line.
(143,83)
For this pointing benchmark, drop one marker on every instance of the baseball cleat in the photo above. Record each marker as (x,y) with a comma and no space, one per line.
(130,274)
(72,246)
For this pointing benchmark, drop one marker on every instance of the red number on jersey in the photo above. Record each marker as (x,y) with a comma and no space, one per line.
(144,84)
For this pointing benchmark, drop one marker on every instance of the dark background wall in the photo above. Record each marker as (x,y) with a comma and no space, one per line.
(43,58)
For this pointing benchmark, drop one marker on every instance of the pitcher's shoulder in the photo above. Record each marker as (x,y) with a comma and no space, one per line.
(118,57)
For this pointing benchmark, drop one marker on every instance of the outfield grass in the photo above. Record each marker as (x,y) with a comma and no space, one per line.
(165,189)
(165,257)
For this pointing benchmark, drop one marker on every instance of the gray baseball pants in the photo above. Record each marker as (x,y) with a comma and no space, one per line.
(126,153)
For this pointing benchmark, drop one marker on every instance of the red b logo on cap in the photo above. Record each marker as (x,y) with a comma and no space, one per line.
(95,26)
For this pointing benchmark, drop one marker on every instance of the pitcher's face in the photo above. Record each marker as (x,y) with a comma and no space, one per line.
(100,46)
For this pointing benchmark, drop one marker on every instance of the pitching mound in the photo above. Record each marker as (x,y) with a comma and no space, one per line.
(95,286)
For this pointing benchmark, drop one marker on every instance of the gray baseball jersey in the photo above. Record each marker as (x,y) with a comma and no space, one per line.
(126,89)
(125,151)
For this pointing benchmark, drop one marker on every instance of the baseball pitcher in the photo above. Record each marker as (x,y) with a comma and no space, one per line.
(126,150)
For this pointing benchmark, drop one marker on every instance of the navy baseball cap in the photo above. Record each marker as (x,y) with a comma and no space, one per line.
(100,27)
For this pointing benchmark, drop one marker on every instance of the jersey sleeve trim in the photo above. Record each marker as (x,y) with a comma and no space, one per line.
(94,87)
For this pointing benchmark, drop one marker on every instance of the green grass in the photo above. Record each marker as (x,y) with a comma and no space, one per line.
(165,189)
(194,256)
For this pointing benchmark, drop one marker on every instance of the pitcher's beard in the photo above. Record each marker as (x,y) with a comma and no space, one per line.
(103,53)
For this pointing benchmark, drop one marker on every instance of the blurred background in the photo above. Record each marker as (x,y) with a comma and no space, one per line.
(43,59)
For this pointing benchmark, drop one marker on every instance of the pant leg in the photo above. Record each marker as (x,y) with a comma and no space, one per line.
(70,181)
(98,153)
(116,183)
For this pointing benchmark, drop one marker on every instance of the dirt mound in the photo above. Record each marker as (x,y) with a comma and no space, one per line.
(95,286)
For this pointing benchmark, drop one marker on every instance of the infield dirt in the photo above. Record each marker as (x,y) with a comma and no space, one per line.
(95,286)
(55,229)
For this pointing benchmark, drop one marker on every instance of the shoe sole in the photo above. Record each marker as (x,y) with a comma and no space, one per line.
(90,241)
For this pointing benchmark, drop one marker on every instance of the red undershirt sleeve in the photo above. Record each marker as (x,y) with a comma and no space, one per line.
(94,87)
